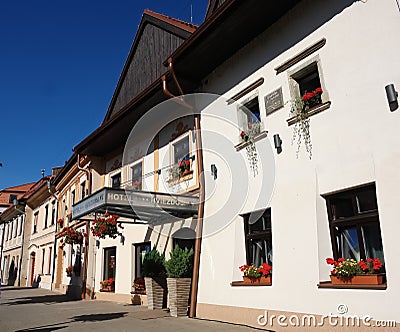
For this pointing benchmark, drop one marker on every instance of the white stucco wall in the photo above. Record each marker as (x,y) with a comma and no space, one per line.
(354,142)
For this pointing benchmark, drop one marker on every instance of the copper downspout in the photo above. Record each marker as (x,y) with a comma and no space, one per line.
(200,211)
(85,261)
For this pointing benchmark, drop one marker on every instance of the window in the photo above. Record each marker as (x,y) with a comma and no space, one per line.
(49,261)
(354,224)
(21,225)
(43,257)
(258,237)
(53,212)
(46,215)
(140,251)
(137,176)
(109,263)
(15,222)
(308,79)
(72,197)
(83,189)
(116,180)
(12,198)
(249,116)
(181,150)
(11,230)
(35,221)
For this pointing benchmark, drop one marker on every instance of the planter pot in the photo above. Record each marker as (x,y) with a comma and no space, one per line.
(262,280)
(107,289)
(69,274)
(178,292)
(156,291)
(367,279)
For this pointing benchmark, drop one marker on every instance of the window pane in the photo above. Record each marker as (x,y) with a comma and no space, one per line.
(260,225)
(140,252)
(137,176)
(366,201)
(342,207)
(181,150)
(261,252)
(371,234)
(116,181)
(348,242)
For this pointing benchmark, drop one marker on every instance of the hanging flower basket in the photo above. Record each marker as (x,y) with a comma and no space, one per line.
(72,236)
(68,270)
(247,136)
(106,226)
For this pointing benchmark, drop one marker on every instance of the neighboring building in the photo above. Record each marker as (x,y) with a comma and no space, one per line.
(339,202)
(72,184)
(12,220)
(40,226)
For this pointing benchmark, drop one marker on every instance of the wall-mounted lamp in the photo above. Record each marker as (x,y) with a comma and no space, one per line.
(122,240)
(214,171)
(392,95)
(98,244)
(278,143)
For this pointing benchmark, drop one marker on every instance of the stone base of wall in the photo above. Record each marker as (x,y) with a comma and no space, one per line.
(269,320)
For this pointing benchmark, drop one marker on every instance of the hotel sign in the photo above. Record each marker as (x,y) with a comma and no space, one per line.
(136,200)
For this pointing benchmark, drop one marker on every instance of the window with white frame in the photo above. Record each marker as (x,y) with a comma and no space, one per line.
(53,212)
(306,85)
(137,176)
(181,149)
(249,116)
(83,189)
(116,180)
(35,222)
(46,216)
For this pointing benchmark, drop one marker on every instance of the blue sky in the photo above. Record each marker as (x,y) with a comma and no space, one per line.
(59,64)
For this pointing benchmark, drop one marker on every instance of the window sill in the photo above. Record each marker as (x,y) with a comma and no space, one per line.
(312,111)
(242,283)
(328,284)
(182,178)
(256,138)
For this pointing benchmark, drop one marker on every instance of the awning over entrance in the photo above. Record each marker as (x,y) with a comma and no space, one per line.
(142,205)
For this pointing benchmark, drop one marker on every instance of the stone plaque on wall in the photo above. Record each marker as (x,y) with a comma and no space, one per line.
(274,101)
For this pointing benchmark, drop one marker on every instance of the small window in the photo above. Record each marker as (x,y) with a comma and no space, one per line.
(43,257)
(72,197)
(258,237)
(35,222)
(83,189)
(249,116)
(46,216)
(12,198)
(116,181)
(137,176)
(354,224)
(181,150)
(306,86)
(53,213)
(49,260)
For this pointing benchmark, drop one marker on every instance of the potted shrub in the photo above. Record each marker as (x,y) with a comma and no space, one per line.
(179,271)
(256,274)
(107,285)
(352,272)
(154,277)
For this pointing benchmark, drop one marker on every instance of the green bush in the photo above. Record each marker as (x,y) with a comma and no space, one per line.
(153,263)
(180,264)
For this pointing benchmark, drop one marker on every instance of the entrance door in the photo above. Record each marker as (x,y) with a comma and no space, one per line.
(33,257)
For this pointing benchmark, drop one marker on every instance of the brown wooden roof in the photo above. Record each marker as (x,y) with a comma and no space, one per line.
(157,37)
(16,190)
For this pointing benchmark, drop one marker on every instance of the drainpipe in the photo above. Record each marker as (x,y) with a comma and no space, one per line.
(85,261)
(200,170)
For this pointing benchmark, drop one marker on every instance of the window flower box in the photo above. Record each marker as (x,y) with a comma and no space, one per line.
(352,272)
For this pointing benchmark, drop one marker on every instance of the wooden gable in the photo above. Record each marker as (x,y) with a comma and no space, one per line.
(158,36)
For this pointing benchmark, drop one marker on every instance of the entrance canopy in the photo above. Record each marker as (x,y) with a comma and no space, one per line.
(142,205)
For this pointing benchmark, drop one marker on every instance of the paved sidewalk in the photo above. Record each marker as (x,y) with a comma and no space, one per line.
(27,309)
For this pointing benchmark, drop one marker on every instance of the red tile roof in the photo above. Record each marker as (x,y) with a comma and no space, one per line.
(173,21)
(19,190)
